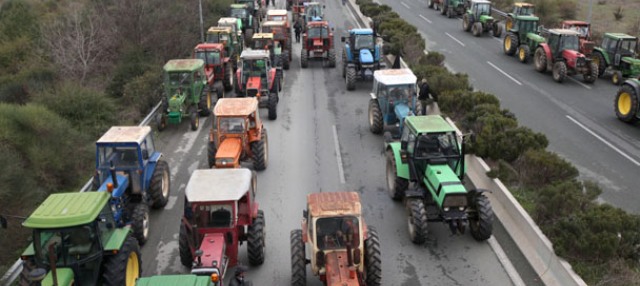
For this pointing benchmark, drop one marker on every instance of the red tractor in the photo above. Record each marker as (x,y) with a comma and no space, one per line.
(256,77)
(560,55)
(584,30)
(217,67)
(317,43)
(219,214)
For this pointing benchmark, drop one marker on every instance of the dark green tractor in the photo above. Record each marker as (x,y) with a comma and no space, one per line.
(522,38)
(626,104)
(76,242)
(427,169)
(617,56)
(184,85)
(243,13)
(232,47)
(478,19)
(453,8)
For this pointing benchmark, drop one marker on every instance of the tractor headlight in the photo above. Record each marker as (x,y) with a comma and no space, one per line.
(455,202)
(223,161)
(114,208)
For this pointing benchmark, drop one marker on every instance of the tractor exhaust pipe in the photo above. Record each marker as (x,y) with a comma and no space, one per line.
(112,171)
(52,262)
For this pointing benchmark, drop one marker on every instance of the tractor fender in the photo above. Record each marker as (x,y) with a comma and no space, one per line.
(272,74)
(305,230)
(402,169)
(603,53)
(254,210)
(117,239)
(347,51)
(473,193)
(64,276)
(414,193)
(633,83)
(547,52)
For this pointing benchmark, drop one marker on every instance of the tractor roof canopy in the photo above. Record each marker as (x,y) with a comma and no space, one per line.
(564,32)
(274,23)
(125,134)
(334,204)
(481,2)
(522,4)
(188,65)
(239,6)
(67,209)
(254,54)
(228,21)
(213,30)
(619,36)
(277,12)
(210,46)
(527,18)
(170,280)
(262,36)
(361,31)
(241,106)
(575,23)
(215,185)
(395,76)
(429,124)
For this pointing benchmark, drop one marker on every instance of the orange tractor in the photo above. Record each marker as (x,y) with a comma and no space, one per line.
(317,43)
(237,134)
(218,67)
(345,252)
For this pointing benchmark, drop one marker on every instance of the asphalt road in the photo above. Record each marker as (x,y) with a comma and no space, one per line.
(577,118)
(319,143)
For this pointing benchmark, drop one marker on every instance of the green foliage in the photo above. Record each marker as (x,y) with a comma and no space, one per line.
(563,200)
(432,59)
(17,19)
(539,168)
(142,93)
(133,63)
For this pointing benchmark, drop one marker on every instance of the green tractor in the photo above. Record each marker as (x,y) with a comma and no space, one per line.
(522,38)
(232,47)
(478,19)
(182,280)
(618,57)
(427,169)
(626,103)
(185,90)
(519,9)
(76,242)
(243,13)
(453,8)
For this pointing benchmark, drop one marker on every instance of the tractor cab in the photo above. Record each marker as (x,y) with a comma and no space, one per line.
(480,8)
(619,45)
(437,147)
(525,24)
(234,24)
(184,85)
(362,44)
(313,11)
(223,35)
(213,55)
(523,9)
(219,214)
(180,279)
(392,99)
(561,41)
(244,14)
(618,56)
(265,42)
(251,5)
(279,15)
(584,34)
(282,42)
(258,78)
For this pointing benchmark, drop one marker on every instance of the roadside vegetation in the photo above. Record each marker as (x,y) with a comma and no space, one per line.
(68,71)
(601,242)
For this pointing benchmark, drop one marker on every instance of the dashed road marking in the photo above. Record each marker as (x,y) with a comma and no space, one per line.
(454,38)
(338,155)
(405,5)
(604,141)
(425,18)
(504,73)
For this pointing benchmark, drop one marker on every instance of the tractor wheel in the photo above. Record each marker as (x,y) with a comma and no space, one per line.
(617,78)
(285,60)
(523,53)
(290,47)
(27,266)
(559,71)
(160,185)
(396,186)
(592,73)
(466,25)
(219,91)
(496,29)
(344,64)
(476,30)
(204,105)
(540,60)
(228,77)
(351,78)
(332,58)
(430,4)
(626,104)
(161,121)
(304,58)
(247,37)
(124,267)
(256,237)
(186,258)
(372,258)
(443,10)
(236,88)
(298,259)
(450,12)
(481,225)
(510,44)
(260,150)
(140,222)
(417,220)
(211,154)
(272,105)
(599,59)
(375,117)
(509,24)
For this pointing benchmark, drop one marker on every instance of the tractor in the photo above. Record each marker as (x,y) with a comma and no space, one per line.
(185,95)
(242,12)
(313,11)
(129,167)
(282,41)
(522,38)
(297,8)
(257,78)
(427,169)
(453,8)
(182,280)
(626,103)
(435,4)
(253,9)
(237,134)
(618,57)
(519,9)
(478,19)
(265,42)
(232,47)
(361,56)
(236,26)
(560,55)
(344,250)
(279,15)
(76,241)
(218,67)
(317,43)
(220,213)
(584,28)
(393,98)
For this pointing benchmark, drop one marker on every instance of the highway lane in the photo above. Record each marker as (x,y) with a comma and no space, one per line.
(320,142)
(577,118)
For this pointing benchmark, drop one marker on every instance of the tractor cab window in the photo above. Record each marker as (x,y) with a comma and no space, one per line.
(214,38)
(180,78)
(238,13)
(610,45)
(106,223)
(628,47)
(569,43)
(527,26)
(209,57)
(436,145)
(337,232)
(583,30)
(318,32)
(364,42)
(276,18)
(400,92)
(220,216)
(123,157)
(253,68)
(483,9)
(232,125)
(69,245)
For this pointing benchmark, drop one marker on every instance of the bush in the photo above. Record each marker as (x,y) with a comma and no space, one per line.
(540,167)
(563,200)
(133,63)
(141,94)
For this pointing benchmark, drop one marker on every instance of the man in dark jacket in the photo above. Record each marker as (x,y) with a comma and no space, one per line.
(297,27)
(424,96)
(238,280)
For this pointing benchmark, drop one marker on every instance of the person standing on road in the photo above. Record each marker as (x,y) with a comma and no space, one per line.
(238,280)
(424,95)
(297,27)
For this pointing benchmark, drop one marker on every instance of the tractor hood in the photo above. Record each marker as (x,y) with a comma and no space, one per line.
(486,18)
(228,153)
(176,101)
(402,110)
(254,82)
(366,57)
(337,270)
(443,180)
(123,182)
(632,61)
(213,247)
(317,42)
(571,54)
(535,38)
(64,275)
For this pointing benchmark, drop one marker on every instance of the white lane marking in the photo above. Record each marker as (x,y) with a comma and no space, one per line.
(338,155)
(452,37)
(425,18)
(171,203)
(604,141)
(504,73)
(506,263)
(405,5)
(578,82)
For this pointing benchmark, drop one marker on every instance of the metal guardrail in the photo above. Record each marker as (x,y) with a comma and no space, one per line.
(14,271)
(499,12)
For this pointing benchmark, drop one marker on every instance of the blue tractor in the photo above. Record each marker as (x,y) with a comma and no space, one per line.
(130,168)
(361,56)
(393,98)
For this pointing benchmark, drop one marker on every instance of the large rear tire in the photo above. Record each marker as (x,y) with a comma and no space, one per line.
(194,117)
(186,258)
(375,117)
(626,104)
(304,58)
(256,237)
(496,29)
(332,58)
(298,259)
(430,4)
(559,71)
(481,225)
(351,78)
(285,60)
(477,29)
(228,77)
(140,222)
(344,64)
(372,258)
(510,44)
(540,60)
(601,62)
(159,189)
(124,267)
(272,104)
(417,220)
(592,74)
(204,106)
(617,78)
(396,186)
(260,150)
(211,154)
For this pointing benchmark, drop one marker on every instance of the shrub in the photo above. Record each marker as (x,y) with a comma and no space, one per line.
(134,62)
(541,167)
(141,94)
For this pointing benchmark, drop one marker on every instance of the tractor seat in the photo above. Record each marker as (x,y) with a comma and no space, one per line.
(220,218)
